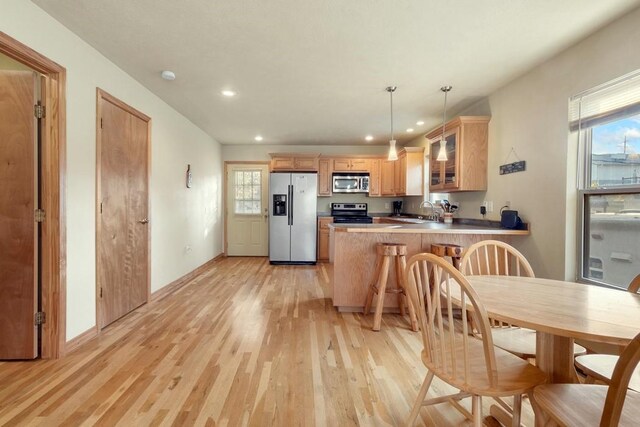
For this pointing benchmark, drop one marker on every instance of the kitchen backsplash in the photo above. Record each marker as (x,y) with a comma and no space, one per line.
(375,204)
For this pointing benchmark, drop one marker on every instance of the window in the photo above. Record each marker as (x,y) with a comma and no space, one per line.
(607,120)
(248,191)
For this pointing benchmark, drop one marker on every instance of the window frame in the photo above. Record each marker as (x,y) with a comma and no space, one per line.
(259,185)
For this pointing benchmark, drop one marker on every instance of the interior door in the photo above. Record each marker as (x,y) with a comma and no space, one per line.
(247,210)
(123,231)
(18,231)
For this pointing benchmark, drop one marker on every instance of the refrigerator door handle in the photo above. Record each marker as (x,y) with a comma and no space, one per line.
(290,204)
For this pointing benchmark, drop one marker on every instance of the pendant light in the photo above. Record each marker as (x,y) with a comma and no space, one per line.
(393,154)
(442,154)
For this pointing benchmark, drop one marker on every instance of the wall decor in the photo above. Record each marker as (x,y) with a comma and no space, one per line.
(507,168)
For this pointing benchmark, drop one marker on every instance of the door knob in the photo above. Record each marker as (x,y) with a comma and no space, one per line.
(143,221)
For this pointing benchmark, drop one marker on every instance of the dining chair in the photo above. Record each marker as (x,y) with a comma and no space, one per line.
(472,365)
(495,258)
(592,404)
(599,367)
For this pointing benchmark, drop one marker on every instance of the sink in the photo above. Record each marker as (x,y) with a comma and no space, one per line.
(413,220)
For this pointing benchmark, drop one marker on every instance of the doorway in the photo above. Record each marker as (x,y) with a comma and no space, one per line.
(25,175)
(122,223)
(247,209)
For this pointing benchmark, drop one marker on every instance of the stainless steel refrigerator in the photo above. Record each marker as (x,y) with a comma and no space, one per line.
(292,218)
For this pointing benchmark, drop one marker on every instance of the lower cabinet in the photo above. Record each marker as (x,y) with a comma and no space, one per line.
(323,238)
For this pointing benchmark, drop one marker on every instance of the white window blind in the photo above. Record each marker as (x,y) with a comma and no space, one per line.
(605,103)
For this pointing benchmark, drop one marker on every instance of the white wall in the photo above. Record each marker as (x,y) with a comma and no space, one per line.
(530,115)
(259,151)
(180,217)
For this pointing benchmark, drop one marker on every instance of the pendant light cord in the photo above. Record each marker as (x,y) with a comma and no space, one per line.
(391,93)
(446,90)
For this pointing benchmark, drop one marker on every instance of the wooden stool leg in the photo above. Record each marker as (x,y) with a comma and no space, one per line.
(402,264)
(456,262)
(400,285)
(374,279)
(382,287)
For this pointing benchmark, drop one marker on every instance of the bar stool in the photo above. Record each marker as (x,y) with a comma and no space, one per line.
(448,250)
(386,251)
(455,253)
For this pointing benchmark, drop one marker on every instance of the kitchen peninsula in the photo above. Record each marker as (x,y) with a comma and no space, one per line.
(353,252)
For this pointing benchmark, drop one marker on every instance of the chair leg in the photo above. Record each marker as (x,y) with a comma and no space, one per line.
(517,410)
(382,287)
(476,410)
(374,279)
(400,285)
(415,411)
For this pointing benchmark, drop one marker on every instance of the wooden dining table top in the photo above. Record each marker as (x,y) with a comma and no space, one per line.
(566,309)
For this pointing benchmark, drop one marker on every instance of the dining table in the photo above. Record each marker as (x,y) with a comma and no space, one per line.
(560,312)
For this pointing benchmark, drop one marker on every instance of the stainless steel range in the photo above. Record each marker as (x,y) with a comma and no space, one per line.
(350,213)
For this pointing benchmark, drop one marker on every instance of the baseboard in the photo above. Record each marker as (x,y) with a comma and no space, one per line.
(76,342)
(178,283)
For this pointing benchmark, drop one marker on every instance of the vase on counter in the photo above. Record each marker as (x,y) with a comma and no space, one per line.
(448,217)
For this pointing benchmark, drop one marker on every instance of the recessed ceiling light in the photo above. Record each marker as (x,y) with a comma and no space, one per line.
(168,75)
(258,138)
(228,93)
(368,138)
(410,130)
(419,122)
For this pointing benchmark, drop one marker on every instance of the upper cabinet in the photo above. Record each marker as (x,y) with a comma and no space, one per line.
(324,176)
(402,177)
(350,165)
(292,162)
(467,150)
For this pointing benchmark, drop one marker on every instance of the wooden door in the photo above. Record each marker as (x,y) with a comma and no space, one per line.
(388,177)
(359,165)
(18,231)
(374,178)
(123,201)
(341,165)
(324,177)
(247,210)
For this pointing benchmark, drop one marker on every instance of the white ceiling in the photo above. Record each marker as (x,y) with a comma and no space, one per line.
(314,71)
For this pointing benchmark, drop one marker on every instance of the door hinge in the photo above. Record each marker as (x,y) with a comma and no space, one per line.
(40,318)
(39,111)
(101,292)
(100,123)
(39,215)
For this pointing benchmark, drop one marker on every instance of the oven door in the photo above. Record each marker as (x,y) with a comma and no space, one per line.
(348,184)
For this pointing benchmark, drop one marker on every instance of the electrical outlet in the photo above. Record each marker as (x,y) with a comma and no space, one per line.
(386,205)
(507,204)
(489,205)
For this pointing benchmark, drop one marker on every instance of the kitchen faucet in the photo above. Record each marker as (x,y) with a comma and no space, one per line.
(434,214)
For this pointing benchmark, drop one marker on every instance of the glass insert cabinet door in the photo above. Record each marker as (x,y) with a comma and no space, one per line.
(444,174)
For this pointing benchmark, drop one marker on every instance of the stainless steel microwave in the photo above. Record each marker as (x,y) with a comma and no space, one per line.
(350,182)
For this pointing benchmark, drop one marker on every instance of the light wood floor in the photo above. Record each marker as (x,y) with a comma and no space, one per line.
(245,343)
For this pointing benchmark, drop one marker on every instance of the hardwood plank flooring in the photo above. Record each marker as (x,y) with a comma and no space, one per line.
(243,344)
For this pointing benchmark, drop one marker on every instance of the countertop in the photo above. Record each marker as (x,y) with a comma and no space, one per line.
(425,228)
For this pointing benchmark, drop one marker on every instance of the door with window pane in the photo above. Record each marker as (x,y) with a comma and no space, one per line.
(247,210)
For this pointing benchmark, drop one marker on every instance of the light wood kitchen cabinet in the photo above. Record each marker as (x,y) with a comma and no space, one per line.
(467,151)
(324,177)
(405,176)
(388,178)
(293,162)
(374,177)
(411,171)
(350,165)
(323,238)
